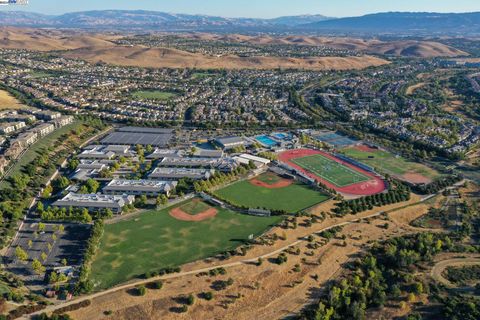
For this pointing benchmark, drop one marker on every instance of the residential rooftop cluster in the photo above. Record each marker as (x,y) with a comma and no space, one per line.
(118,93)
(19,129)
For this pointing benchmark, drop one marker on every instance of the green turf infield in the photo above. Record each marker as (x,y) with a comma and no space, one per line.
(154,240)
(387,162)
(330,170)
(292,199)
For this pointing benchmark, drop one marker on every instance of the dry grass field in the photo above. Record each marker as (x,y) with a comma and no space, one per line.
(170,58)
(268,291)
(8,102)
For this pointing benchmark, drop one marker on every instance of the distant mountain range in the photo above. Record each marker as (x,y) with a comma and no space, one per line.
(146,19)
(404,23)
(409,23)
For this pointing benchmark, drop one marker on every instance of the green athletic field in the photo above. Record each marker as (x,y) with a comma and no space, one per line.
(292,199)
(154,240)
(386,162)
(330,170)
(154,95)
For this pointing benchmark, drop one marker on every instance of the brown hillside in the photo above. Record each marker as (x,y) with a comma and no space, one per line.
(422,49)
(171,58)
(48,40)
(97,47)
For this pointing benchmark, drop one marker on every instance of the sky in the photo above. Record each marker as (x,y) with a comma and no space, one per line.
(253,8)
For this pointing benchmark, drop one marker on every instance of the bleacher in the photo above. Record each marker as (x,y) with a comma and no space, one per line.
(355,163)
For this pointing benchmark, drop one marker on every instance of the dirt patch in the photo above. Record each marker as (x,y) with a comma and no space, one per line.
(411,89)
(415,178)
(7,101)
(179,214)
(283,183)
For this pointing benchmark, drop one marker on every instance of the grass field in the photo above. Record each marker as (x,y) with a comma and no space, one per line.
(386,162)
(40,74)
(7,101)
(154,95)
(292,199)
(155,240)
(330,170)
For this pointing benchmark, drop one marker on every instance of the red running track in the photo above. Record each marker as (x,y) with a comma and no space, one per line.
(373,186)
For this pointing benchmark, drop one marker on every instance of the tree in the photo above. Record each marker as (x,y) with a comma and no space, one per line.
(208,295)
(92,185)
(141,290)
(43,256)
(190,299)
(64,262)
(47,192)
(21,254)
(41,226)
(30,243)
(40,207)
(324,313)
(38,267)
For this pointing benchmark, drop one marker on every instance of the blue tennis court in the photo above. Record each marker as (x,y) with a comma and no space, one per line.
(280,136)
(343,142)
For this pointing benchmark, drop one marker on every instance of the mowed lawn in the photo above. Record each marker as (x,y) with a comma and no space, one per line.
(292,199)
(154,240)
(389,163)
(154,95)
(330,170)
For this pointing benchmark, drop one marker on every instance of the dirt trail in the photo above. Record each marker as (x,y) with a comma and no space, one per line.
(272,300)
(437,271)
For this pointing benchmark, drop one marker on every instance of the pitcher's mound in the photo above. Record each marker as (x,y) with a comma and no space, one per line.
(193,211)
(270,181)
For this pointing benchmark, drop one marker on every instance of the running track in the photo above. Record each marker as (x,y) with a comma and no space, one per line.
(373,186)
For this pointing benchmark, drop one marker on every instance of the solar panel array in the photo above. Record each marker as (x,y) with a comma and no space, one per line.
(134,138)
(146,130)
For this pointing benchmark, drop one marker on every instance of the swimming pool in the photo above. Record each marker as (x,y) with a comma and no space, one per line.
(266,141)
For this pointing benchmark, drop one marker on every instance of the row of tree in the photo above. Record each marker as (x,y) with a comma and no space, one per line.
(397,192)
(84,284)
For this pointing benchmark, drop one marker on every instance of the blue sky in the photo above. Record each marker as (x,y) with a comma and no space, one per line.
(254,8)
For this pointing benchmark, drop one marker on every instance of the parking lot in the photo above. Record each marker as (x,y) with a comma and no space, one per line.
(56,244)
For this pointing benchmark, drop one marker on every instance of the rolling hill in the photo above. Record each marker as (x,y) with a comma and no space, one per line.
(406,48)
(171,58)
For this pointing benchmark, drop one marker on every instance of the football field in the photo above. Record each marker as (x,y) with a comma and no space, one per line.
(330,170)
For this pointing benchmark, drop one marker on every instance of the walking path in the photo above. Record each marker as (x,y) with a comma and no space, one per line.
(437,270)
(138,282)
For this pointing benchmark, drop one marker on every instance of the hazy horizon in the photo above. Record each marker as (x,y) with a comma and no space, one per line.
(253,8)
